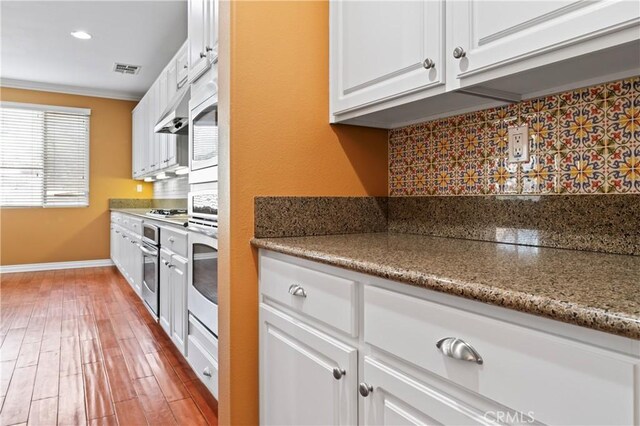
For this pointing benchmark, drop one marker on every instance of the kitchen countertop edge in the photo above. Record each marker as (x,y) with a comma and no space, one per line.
(567,312)
(142,213)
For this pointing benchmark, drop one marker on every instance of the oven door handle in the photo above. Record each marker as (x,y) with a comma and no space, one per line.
(147,251)
(202,231)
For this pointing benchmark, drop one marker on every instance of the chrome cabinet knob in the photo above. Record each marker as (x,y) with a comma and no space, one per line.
(428,64)
(459,52)
(365,389)
(296,290)
(208,48)
(203,55)
(165,263)
(458,349)
(171,239)
(338,373)
(207,372)
(185,66)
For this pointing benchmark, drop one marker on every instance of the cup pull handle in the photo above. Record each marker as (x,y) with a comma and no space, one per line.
(296,290)
(458,349)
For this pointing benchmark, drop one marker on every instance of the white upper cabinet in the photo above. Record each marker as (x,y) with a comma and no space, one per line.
(394,63)
(182,66)
(155,152)
(383,50)
(503,37)
(203,36)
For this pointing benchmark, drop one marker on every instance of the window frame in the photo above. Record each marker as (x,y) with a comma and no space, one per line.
(60,109)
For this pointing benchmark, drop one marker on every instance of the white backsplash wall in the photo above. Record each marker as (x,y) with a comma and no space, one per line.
(171,188)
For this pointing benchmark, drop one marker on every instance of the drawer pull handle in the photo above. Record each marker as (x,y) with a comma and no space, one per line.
(296,290)
(338,373)
(206,372)
(365,389)
(458,349)
(171,239)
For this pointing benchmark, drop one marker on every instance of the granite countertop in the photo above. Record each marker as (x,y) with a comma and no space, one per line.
(176,220)
(594,290)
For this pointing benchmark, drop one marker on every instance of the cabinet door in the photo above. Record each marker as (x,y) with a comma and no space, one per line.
(136,264)
(398,399)
(297,383)
(197,26)
(378,50)
(112,242)
(211,30)
(153,151)
(136,142)
(161,104)
(495,34)
(141,136)
(178,284)
(165,291)
(116,245)
(182,66)
(172,88)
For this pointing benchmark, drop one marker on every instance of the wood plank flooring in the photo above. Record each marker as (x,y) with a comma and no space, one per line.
(78,347)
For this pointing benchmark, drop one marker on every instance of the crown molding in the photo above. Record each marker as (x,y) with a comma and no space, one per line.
(72,90)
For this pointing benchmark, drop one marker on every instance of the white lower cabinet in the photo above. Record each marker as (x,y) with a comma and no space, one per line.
(494,365)
(165,291)
(202,351)
(178,290)
(395,398)
(309,377)
(173,297)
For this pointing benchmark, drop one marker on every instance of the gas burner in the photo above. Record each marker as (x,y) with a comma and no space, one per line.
(167,212)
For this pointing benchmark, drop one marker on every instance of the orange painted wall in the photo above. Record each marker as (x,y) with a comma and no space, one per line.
(35,235)
(280,143)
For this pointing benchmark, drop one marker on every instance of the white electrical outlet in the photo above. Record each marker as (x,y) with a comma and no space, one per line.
(519,144)
(139,188)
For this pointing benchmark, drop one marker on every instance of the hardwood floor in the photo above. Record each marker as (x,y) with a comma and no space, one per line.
(79,347)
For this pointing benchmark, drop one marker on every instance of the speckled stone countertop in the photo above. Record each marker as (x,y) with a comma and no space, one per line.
(594,290)
(176,220)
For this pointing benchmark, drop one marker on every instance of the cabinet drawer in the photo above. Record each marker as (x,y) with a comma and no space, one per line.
(202,351)
(174,240)
(116,218)
(557,380)
(134,225)
(325,297)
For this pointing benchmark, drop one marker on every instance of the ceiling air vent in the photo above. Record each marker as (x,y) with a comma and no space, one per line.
(126,69)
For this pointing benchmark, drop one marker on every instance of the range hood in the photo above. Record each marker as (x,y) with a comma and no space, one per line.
(175,118)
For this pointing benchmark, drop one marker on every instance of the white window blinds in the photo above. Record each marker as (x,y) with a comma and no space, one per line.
(44,156)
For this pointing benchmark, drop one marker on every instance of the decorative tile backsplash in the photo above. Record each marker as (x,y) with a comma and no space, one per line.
(585,141)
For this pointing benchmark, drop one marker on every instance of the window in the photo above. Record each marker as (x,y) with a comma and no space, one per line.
(44,156)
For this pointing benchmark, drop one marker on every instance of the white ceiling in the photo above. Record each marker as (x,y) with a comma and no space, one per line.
(37,51)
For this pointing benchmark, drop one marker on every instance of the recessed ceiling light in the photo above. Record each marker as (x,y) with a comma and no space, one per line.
(81,35)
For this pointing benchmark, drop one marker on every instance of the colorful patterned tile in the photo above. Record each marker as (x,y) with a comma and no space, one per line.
(535,106)
(582,172)
(594,94)
(539,175)
(582,141)
(472,179)
(580,127)
(620,88)
(623,118)
(504,114)
(501,177)
(497,138)
(472,143)
(568,99)
(624,170)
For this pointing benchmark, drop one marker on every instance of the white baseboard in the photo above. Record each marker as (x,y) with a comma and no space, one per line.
(30,267)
